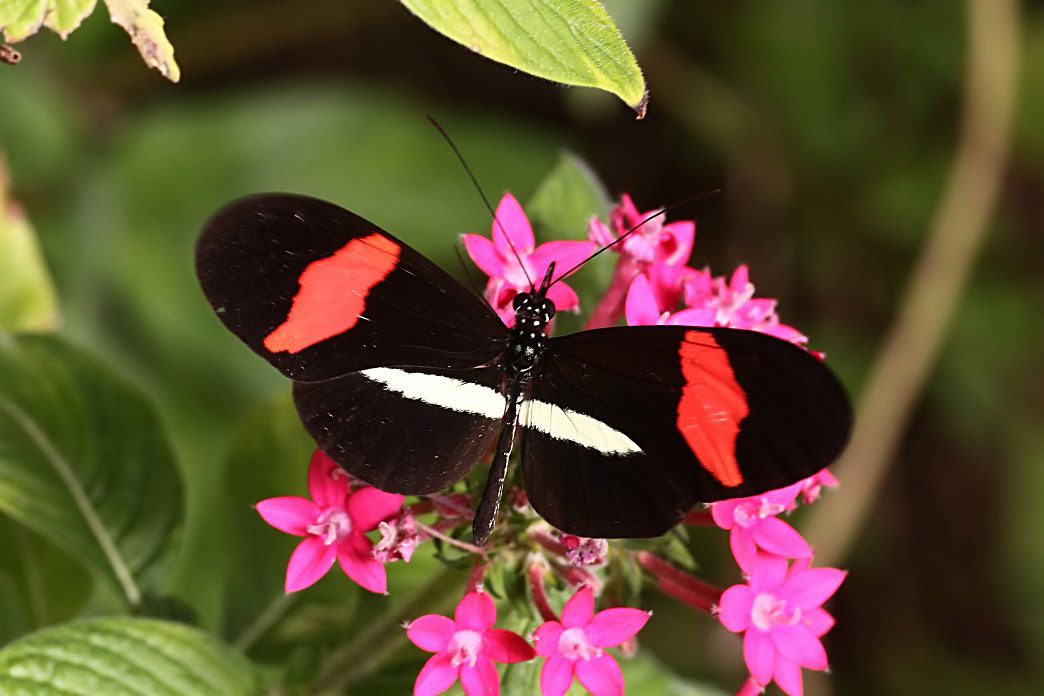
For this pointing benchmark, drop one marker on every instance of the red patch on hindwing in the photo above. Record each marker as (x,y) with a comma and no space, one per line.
(333,293)
(711,407)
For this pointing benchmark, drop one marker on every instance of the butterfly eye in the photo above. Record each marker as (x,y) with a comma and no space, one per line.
(520,301)
(548,308)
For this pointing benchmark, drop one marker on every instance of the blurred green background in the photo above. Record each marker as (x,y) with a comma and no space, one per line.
(829,126)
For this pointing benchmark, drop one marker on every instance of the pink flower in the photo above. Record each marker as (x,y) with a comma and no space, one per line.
(576,646)
(813,485)
(753,524)
(510,274)
(654,242)
(333,523)
(465,648)
(584,551)
(643,309)
(399,538)
(735,305)
(779,613)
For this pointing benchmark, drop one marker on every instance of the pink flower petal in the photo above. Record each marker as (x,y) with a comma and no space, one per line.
(512,221)
(437,675)
(744,550)
(480,680)
(769,572)
(703,316)
(776,536)
(556,675)
(563,296)
(328,483)
(601,676)
(810,588)
(677,251)
(484,254)
(734,608)
(787,675)
(309,562)
(640,306)
(750,688)
(431,632)
(475,611)
(818,621)
(565,254)
(758,653)
(614,626)
(506,646)
(799,645)
(723,512)
(288,513)
(369,506)
(579,609)
(546,638)
(358,563)
(599,233)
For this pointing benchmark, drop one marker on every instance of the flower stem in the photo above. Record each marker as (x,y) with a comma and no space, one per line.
(536,568)
(375,641)
(432,532)
(263,622)
(938,279)
(676,583)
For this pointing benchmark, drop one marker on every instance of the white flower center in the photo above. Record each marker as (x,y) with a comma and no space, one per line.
(465,646)
(573,645)
(751,512)
(333,524)
(769,611)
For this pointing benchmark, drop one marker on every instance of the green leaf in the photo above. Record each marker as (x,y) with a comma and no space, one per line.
(46,585)
(21,19)
(84,461)
(146,31)
(121,655)
(566,200)
(27,299)
(570,41)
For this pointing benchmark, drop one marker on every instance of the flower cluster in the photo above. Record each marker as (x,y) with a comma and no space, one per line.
(467,646)
(778,607)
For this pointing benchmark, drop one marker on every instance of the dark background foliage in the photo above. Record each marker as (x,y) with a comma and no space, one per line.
(830,128)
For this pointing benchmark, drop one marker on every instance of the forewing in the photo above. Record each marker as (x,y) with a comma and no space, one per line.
(320,292)
(712,414)
(405,429)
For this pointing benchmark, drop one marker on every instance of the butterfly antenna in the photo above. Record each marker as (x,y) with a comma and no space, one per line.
(663,211)
(482,194)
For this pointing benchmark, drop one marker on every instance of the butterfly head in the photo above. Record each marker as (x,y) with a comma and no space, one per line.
(526,343)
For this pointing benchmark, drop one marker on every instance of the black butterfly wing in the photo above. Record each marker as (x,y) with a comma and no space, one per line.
(405,430)
(320,292)
(627,428)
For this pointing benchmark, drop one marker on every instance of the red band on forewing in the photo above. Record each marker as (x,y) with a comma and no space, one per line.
(333,293)
(711,407)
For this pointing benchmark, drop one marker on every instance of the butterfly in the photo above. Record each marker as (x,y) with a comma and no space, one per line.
(406,379)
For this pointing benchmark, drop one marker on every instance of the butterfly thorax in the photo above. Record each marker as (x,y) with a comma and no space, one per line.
(527,340)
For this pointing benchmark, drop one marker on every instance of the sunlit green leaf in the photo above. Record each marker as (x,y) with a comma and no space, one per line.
(84,461)
(21,19)
(27,299)
(146,31)
(570,41)
(124,656)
